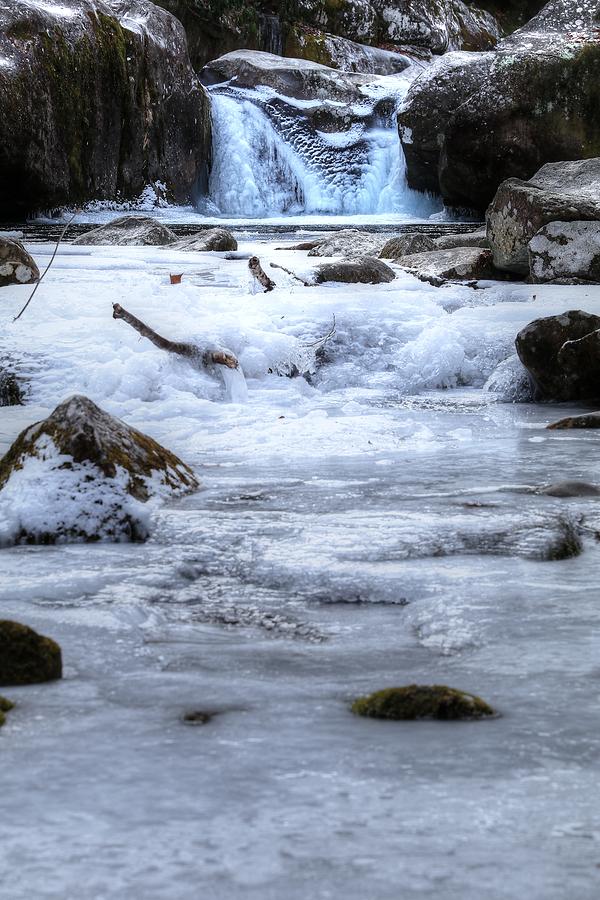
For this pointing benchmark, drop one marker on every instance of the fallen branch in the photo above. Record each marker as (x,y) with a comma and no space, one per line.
(259,273)
(191,351)
(39,281)
(293,274)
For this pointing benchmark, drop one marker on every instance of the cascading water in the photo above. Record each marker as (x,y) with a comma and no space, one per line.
(279,155)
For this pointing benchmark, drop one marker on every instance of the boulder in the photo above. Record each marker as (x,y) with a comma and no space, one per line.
(562,356)
(568,252)
(460,264)
(83,475)
(213,239)
(16,265)
(406,245)
(366,270)
(471,121)
(11,393)
(5,706)
(416,701)
(99,100)
(350,243)
(559,192)
(587,420)
(27,657)
(129,231)
(476,238)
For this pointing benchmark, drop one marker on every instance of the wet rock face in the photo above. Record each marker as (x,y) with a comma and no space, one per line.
(562,356)
(422,702)
(472,121)
(566,252)
(129,231)
(27,657)
(559,192)
(98,99)
(16,264)
(366,270)
(84,475)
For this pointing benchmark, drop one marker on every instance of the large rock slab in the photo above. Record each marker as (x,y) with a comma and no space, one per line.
(17,266)
(565,192)
(99,99)
(215,239)
(566,252)
(83,475)
(27,657)
(471,121)
(366,270)
(459,264)
(129,231)
(562,356)
(350,243)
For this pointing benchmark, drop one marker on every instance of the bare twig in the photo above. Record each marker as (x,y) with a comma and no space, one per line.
(191,351)
(259,273)
(39,281)
(289,272)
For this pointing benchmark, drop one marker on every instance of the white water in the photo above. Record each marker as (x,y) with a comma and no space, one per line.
(268,159)
(365,531)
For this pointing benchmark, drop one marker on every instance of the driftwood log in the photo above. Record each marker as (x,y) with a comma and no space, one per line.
(192,351)
(259,273)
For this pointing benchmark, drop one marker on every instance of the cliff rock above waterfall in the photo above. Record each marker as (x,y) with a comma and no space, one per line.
(473,120)
(353,35)
(98,100)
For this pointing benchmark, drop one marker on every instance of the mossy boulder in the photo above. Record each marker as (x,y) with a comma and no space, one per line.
(471,122)
(5,706)
(422,702)
(98,101)
(27,657)
(83,475)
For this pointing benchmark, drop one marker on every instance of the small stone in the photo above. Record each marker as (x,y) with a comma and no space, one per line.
(197,717)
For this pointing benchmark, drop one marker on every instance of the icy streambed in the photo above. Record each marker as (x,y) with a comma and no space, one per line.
(377,534)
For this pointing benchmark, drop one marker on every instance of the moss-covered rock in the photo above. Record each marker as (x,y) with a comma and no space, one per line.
(421,702)
(98,101)
(5,706)
(83,475)
(27,657)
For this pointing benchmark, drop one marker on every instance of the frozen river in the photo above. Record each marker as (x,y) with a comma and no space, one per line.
(380,526)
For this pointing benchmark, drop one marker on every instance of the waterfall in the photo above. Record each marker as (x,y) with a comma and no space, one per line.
(278,155)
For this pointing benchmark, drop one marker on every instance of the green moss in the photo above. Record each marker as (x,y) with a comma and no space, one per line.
(5,706)
(421,702)
(27,657)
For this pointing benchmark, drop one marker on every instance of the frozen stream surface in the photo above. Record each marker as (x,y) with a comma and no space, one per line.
(374,528)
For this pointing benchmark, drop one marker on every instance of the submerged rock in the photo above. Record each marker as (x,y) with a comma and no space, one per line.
(349,243)
(83,475)
(5,706)
(366,270)
(561,353)
(571,488)
(17,266)
(559,192)
(566,252)
(218,239)
(586,420)
(459,264)
(27,657)
(99,100)
(406,245)
(471,121)
(126,231)
(422,702)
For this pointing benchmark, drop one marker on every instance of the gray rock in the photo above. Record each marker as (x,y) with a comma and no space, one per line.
(365,270)
(213,239)
(570,489)
(131,231)
(460,264)
(350,243)
(559,192)
(568,252)
(468,239)
(471,121)
(16,264)
(86,476)
(99,100)
(561,353)
(406,245)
